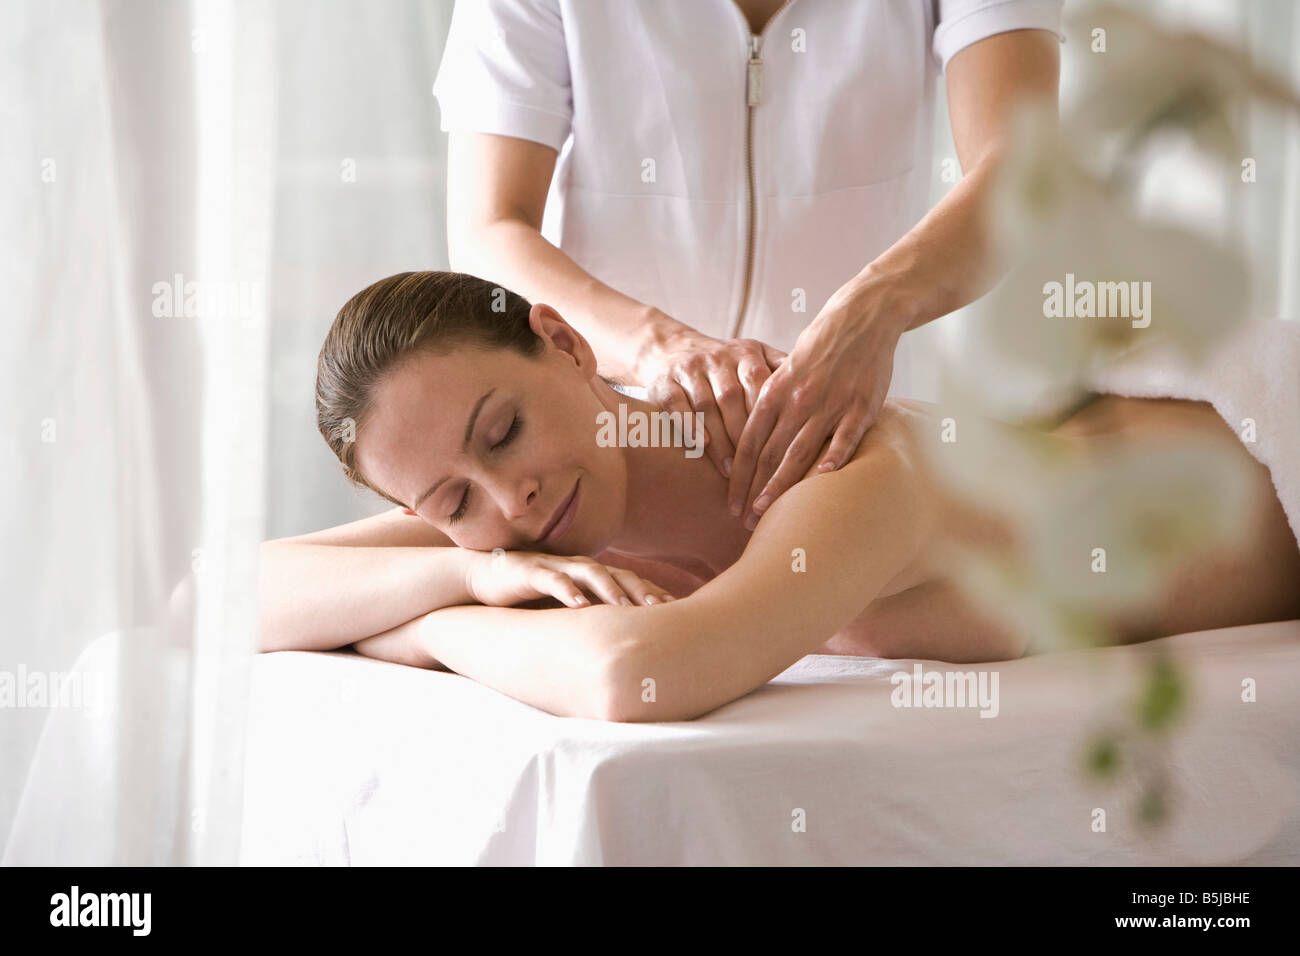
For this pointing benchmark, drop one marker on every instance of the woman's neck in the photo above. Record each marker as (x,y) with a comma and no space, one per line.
(676,499)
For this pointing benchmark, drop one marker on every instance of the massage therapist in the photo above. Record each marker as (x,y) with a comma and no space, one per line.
(737,180)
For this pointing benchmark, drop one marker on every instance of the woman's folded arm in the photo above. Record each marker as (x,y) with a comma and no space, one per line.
(559,660)
(316,597)
(327,589)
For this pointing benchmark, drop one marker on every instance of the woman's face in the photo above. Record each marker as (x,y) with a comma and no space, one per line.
(497,449)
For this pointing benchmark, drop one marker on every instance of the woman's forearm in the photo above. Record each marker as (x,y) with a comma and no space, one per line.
(320,597)
(561,661)
(620,329)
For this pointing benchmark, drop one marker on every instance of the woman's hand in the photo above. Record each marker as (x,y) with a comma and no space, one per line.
(830,387)
(686,371)
(507,578)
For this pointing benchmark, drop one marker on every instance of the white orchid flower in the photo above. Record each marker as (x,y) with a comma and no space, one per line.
(1149,77)
(1088,279)
(1111,533)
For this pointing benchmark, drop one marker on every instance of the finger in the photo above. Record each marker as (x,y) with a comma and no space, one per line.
(641,590)
(672,398)
(669,395)
(602,583)
(848,436)
(559,586)
(757,429)
(700,390)
(773,356)
(730,395)
(753,372)
(772,454)
(798,459)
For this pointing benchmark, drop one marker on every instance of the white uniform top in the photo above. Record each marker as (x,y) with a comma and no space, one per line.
(725,178)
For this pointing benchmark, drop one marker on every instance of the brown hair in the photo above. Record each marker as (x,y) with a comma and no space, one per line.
(397,317)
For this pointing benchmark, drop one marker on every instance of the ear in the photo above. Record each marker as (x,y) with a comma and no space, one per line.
(550,325)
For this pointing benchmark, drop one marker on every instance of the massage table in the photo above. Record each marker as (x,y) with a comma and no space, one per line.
(357,761)
(351,760)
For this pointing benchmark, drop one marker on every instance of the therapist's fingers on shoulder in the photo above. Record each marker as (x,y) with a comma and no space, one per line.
(772,355)
(770,458)
(699,389)
(752,440)
(752,372)
(729,393)
(799,457)
(848,436)
(762,419)
(669,395)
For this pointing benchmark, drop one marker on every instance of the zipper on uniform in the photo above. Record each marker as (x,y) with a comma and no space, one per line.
(753,96)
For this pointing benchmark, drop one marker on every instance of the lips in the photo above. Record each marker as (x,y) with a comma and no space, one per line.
(562,518)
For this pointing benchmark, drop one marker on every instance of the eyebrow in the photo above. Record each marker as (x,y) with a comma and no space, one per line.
(469,433)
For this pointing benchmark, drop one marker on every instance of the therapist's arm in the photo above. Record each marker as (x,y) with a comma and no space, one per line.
(942,264)
(840,369)
(496,195)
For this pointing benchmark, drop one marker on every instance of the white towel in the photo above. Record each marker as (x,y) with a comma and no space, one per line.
(1254,373)
(631,391)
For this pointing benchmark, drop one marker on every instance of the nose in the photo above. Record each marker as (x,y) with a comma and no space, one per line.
(514,494)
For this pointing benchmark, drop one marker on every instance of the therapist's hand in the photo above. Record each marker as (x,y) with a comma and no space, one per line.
(687,371)
(830,387)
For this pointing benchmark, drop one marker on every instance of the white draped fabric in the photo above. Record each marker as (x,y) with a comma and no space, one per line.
(140,162)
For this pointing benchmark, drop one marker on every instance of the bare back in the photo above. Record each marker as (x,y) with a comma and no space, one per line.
(1256,581)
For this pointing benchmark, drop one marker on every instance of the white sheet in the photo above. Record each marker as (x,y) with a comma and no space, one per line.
(357,761)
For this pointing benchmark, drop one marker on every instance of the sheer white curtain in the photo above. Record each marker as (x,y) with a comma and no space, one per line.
(271,159)
(361,194)
(139,160)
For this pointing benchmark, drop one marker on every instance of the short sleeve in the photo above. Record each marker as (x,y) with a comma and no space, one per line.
(963,22)
(505,70)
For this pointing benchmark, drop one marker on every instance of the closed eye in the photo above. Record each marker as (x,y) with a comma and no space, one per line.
(511,434)
(461,509)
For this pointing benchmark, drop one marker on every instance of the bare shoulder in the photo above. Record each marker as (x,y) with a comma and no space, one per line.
(826,549)
(898,436)
(885,477)
(893,470)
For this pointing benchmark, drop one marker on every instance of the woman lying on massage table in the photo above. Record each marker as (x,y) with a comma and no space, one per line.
(481,424)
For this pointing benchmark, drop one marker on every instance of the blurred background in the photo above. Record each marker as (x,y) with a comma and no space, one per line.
(281,156)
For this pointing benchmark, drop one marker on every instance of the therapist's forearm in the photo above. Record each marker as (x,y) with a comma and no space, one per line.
(942,263)
(945,261)
(620,329)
